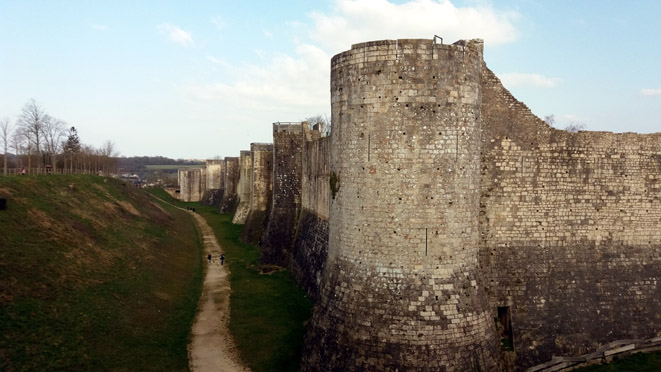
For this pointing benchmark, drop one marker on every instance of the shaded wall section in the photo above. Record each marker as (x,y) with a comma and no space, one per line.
(243,188)
(230,181)
(277,243)
(261,191)
(311,242)
(214,192)
(569,226)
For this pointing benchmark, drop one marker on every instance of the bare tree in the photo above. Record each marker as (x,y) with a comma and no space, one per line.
(108,156)
(16,143)
(575,127)
(322,121)
(549,119)
(54,132)
(32,121)
(5,134)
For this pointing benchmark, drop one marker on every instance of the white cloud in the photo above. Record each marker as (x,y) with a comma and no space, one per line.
(650,92)
(354,21)
(298,83)
(176,34)
(100,27)
(515,79)
(284,84)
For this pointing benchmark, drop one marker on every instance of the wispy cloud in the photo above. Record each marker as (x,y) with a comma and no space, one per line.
(353,21)
(287,82)
(650,92)
(176,34)
(516,79)
(100,27)
(218,22)
(299,82)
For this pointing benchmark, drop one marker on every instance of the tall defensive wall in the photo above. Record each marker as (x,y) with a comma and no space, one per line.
(243,188)
(311,242)
(192,184)
(288,141)
(214,190)
(261,191)
(401,289)
(230,184)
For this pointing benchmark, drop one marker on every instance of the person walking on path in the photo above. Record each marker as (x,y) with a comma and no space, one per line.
(209,258)
(222,258)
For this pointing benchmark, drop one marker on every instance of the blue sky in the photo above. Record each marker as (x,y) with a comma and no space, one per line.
(206,78)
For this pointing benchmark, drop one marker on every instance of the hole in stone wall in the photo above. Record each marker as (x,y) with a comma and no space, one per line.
(3,204)
(504,328)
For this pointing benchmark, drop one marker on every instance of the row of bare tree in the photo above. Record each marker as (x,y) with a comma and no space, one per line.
(40,141)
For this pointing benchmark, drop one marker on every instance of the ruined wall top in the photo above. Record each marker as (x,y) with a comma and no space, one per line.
(255,146)
(386,49)
(290,127)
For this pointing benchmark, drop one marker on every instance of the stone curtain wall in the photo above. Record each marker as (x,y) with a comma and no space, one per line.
(401,289)
(214,193)
(278,237)
(311,242)
(214,169)
(230,182)
(192,184)
(243,188)
(570,237)
(261,191)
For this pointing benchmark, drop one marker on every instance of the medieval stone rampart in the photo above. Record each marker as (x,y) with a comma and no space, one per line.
(444,227)
(277,243)
(402,288)
(569,225)
(214,191)
(243,188)
(261,191)
(214,169)
(230,181)
(311,243)
(192,184)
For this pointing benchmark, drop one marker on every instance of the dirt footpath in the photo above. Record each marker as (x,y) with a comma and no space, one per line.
(212,347)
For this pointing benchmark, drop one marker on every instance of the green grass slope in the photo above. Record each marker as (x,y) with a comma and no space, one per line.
(94,275)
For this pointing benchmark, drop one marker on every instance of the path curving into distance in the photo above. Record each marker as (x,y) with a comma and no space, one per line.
(212,347)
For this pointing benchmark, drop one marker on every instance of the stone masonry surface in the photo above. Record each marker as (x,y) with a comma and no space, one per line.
(230,182)
(401,287)
(261,190)
(243,188)
(457,212)
(444,227)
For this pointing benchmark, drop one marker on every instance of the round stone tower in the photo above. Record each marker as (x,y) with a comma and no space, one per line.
(401,289)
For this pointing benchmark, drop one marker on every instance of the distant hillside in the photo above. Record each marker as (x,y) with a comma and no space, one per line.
(153,167)
(94,275)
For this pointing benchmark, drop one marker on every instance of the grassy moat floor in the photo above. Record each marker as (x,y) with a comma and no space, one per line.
(268,311)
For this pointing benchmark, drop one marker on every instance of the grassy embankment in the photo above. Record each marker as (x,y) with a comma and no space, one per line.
(94,277)
(268,312)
